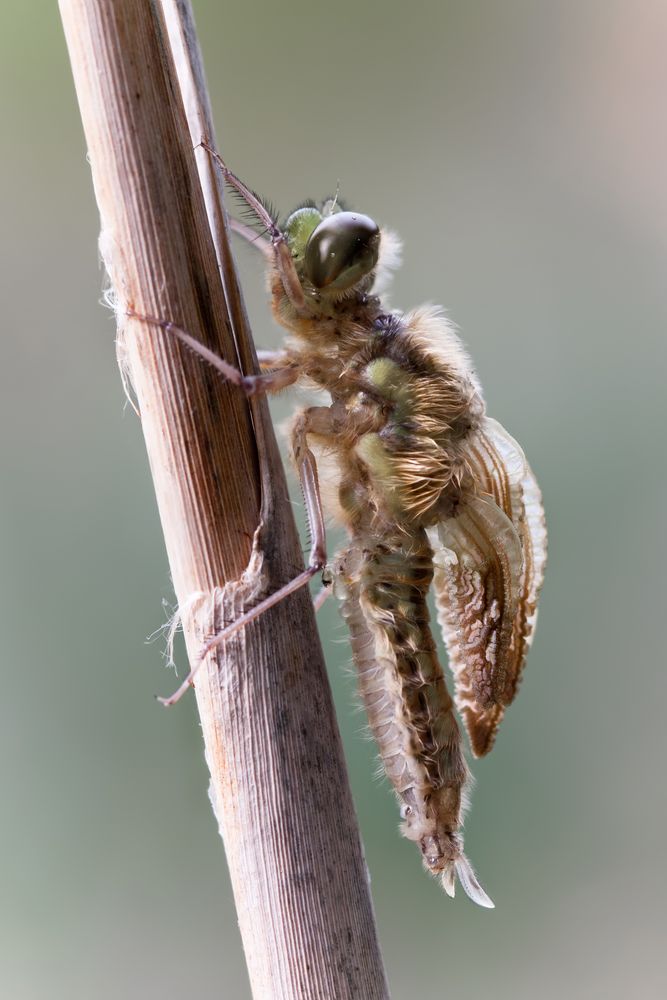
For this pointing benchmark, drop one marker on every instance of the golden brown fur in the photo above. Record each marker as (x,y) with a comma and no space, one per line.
(425,483)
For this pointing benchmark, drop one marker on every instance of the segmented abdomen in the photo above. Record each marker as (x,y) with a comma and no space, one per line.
(384,588)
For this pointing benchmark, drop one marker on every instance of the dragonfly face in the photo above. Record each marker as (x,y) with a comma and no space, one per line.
(332,249)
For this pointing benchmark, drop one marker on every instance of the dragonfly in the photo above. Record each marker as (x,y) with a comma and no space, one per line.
(431,491)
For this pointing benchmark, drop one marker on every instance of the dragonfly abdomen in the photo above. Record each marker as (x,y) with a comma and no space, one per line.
(409,708)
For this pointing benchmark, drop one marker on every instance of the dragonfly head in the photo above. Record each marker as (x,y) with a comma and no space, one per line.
(333,250)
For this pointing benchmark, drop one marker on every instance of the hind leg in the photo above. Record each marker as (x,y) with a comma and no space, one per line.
(319,420)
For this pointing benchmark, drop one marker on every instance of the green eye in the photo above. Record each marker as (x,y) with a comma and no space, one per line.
(298,229)
(342,250)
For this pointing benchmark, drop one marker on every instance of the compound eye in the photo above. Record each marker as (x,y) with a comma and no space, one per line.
(342,250)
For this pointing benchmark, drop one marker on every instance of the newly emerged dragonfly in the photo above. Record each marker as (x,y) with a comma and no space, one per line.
(431,491)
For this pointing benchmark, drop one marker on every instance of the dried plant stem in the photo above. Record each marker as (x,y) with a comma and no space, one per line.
(278,781)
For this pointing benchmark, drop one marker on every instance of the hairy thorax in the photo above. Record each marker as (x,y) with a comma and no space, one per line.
(404,401)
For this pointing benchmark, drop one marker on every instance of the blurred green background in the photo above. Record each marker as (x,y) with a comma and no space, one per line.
(520,150)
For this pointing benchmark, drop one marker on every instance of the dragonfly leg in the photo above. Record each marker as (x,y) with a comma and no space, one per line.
(321,596)
(226,633)
(272,359)
(309,421)
(315,418)
(281,251)
(251,385)
(251,237)
(320,420)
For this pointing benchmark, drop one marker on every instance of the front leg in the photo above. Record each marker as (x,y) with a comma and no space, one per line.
(279,247)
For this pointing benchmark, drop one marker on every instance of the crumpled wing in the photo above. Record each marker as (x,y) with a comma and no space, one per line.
(489,565)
